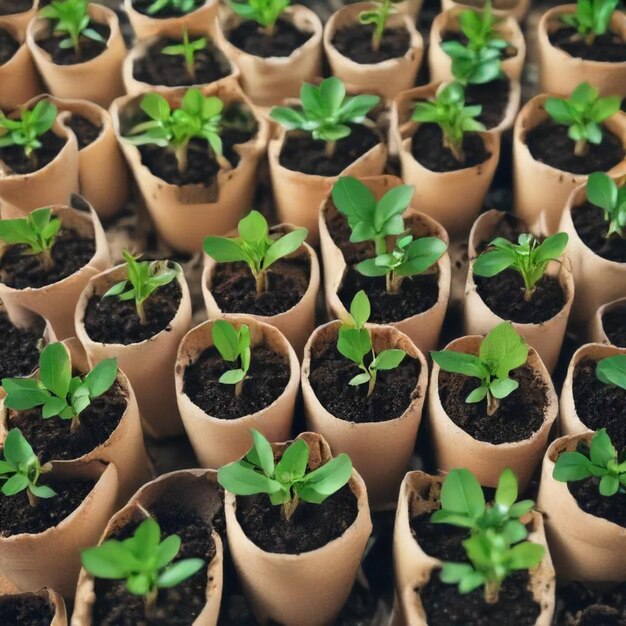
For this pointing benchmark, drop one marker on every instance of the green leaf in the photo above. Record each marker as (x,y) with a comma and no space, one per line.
(478,395)
(571,466)
(602,191)
(389,359)
(316,486)
(146,539)
(226,340)
(609,485)
(612,370)
(526,555)
(293,463)
(360,379)
(55,369)
(360,309)
(461,493)
(460,363)
(492,262)
(17,451)
(503,387)
(284,246)
(101,377)
(178,572)
(42,491)
(253,228)
(503,350)
(242,480)
(232,377)
(262,453)
(111,560)
(167,550)
(223,249)
(602,451)
(506,493)
(14,485)
(353,199)
(394,202)
(552,248)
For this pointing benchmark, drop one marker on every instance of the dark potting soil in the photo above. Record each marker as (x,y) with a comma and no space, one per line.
(578,605)
(89,49)
(142,6)
(548,143)
(517,417)
(8,46)
(70,253)
(416,295)
(608,47)
(427,148)
(25,609)
(266,380)
(590,500)
(111,320)
(85,130)
(302,153)
(249,37)
(614,324)
(15,159)
(599,405)
(52,439)
(441,541)
(234,287)
(331,372)
(156,68)
(493,97)
(504,295)
(310,527)
(592,229)
(451,35)
(355,42)
(19,352)
(11,7)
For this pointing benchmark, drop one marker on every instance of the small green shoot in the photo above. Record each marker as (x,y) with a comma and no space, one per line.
(603,192)
(377,16)
(234,347)
(180,7)
(187,49)
(612,370)
(591,18)
(263,12)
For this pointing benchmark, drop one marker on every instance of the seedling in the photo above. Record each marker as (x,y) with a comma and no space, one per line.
(325,112)
(501,351)
(263,12)
(377,16)
(20,470)
(600,459)
(528,257)
(144,278)
(603,192)
(187,49)
(591,18)
(182,7)
(143,561)
(38,231)
(234,347)
(288,481)
(255,246)
(583,112)
(56,391)
(455,119)
(612,370)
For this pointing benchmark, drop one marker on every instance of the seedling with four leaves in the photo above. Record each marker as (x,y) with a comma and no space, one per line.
(591,18)
(180,7)
(612,370)
(602,191)
(233,344)
(263,12)
(378,16)
(188,50)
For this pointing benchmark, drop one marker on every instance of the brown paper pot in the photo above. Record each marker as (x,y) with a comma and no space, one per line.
(455,448)
(387,77)
(584,547)
(413,568)
(192,489)
(20,20)
(98,80)
(52,598)
(596,328)
(380,451)
(423,328)
(57,301)
(52,558)
(148,364)
(219,441)
(513,8)
(539,187)
(598,280)
(268,81)
(185,215)
(305,589)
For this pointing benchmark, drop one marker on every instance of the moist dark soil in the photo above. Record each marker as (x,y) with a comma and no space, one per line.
(19,352)
(111,320)
(86,131)
(234,287)
(52,439)
(548,143)
(451,35)
(89,49)
(25,609)
(504,295)
(608,47)
(250,38)
(266,380)
(302,153)
(70,253)
(340,231)
(590,500)
(156,68)
(142,6)
(579,606)
(355,42)
(614,324)
(599,405)
(592,229)
(416,295)
(441,541)
(14,158)
(427,148)
(517,417)
(311,526)
(10,7)
(494,98)
(8,46)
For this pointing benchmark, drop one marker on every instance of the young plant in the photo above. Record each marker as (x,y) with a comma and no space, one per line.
(38,231)
(325,112)
(455,119)
(143,561)
(187,49)
(263,12)
(288,481)
(603,192)
(145,277)
(501,351)
(255,246)
(234,347)
(182,7)
(591,18)
(612,370)
(600,459)
(355,343)
(583,113)
(378,17)
(56,391)
(20,470)
(528,257)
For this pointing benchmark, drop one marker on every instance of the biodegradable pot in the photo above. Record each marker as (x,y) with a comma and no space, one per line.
(21,20)
(52,558)
(538,187)
(218,441)
(513,8)
(57,301)
(387,77)
(185,215)
(52,598)
(148,364)
(380,451)
(597,333)
(584,547)
(454,447)
(413,568)
(193,489)
(268,81)
(279,586)
(77,80)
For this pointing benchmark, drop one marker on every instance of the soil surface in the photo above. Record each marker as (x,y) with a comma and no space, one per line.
(590,500)
(142,6)
(355,42)
(19,351)
(451,35)
(25,609)
(340,231)
(8,46)
(494,98)
(441,541)
(579,606)
(10,7)
(86,131)
(592,229)
(89,49)
(250,38)
(608,47)
(614,324)
(17,162)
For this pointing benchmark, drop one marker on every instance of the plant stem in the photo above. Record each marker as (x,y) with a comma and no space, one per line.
(33,500)
(492,592)
(46,257)
(381,245)
(140,311)
(371,384)
(492,404)
(180,151)
(151,600)
(260,282)
(75,425)
(289,508)
(393,282)
(455,147)
(239,388)
(329,149)
(581,147)
(191,67)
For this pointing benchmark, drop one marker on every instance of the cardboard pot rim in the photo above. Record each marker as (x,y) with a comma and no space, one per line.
(34,6)
(9,25)
(605,308)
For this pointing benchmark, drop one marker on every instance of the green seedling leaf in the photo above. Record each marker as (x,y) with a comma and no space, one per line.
(603,192)
(180,7)
(591,18)
(233,344)
(612,370)
(188,50)
(263,12)
(377,16)
(26,131)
